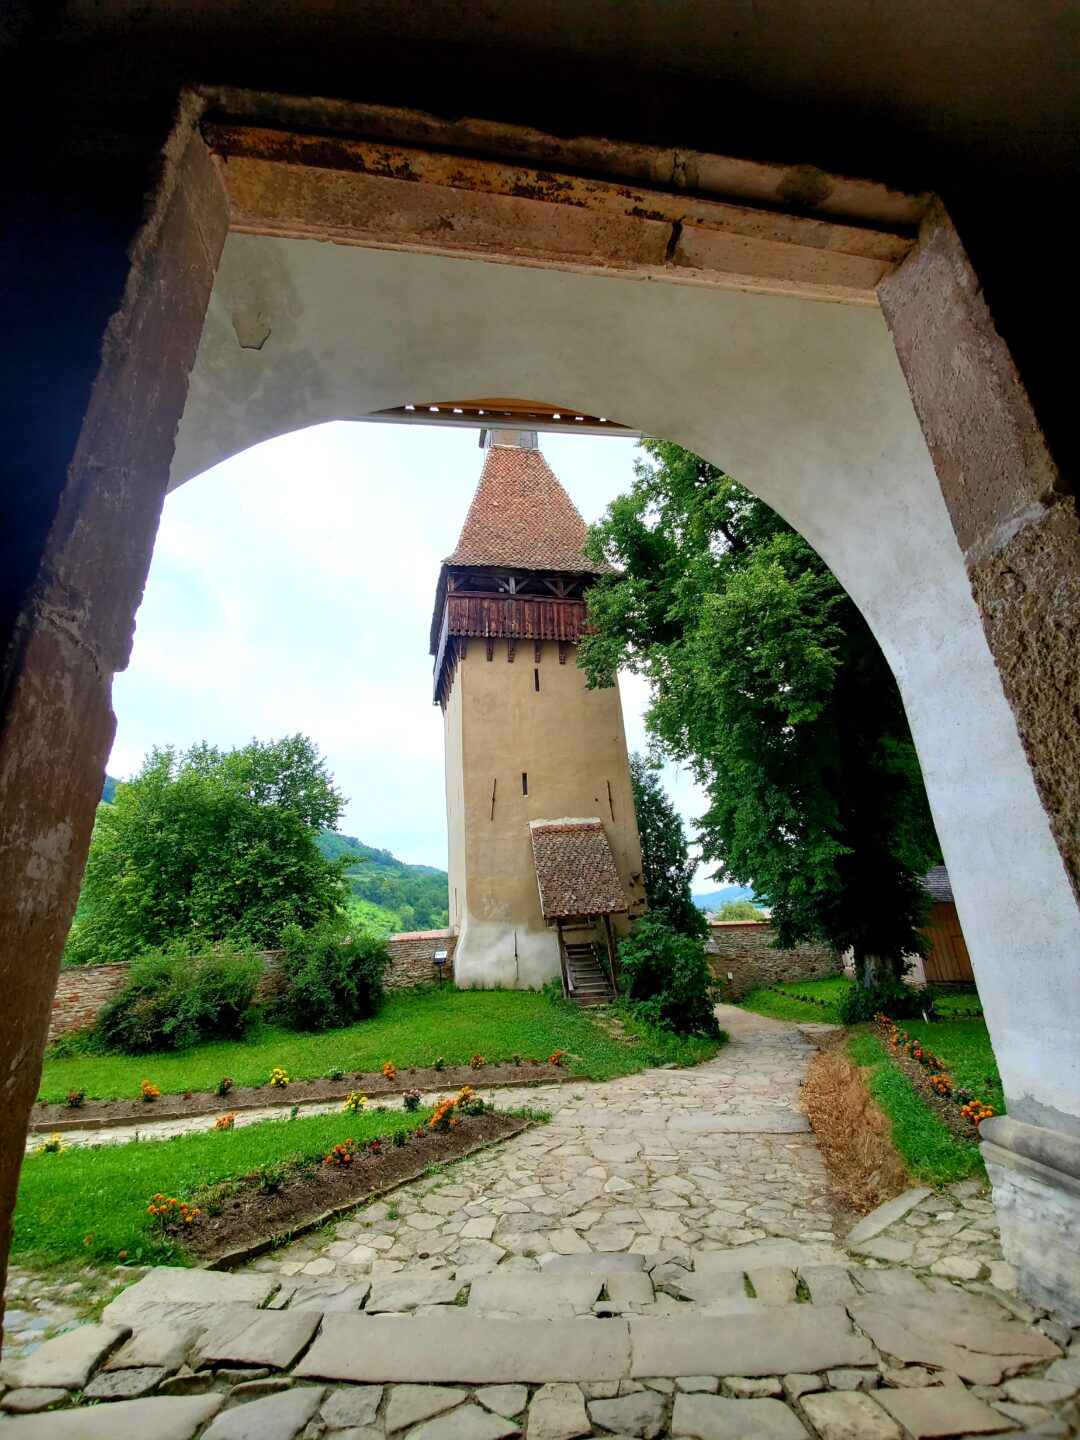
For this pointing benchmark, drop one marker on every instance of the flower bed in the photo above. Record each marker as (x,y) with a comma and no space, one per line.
(92,1114)
(257,1214)
(958,1106)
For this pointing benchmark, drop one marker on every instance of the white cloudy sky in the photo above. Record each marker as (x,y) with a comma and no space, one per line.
(291,589)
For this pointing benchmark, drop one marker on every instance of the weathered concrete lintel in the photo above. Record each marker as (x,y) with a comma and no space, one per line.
(389,196)
(800,189)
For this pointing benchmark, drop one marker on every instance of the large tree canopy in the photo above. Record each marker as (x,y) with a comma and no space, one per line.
(768,684)
(666,863)
(206,846)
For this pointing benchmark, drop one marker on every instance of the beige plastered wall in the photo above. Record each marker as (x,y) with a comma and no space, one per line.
(571,744)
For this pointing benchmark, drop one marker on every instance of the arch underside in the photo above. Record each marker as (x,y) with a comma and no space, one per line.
(802,401)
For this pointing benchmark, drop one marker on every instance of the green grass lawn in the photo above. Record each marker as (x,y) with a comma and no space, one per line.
(926,1145)
(102,1192)
(411,1029)
(788,1007)
(964,1045)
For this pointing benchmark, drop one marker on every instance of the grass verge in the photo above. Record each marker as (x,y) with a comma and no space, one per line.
(924,1142)
(411,1029)
(787,1005)
(90,1203)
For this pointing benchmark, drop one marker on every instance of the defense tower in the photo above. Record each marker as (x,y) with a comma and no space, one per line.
(545,860)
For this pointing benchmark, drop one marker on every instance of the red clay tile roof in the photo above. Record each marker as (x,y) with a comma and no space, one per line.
(522,517)
(575,869)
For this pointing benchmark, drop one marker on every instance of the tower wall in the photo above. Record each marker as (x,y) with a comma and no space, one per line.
(570,743)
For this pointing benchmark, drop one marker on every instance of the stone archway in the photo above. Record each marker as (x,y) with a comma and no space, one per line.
(804,402)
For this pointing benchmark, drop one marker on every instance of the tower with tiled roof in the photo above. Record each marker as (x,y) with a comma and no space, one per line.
(545,861)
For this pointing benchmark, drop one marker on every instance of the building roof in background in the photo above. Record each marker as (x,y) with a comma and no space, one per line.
(575,869)
(521,517)
(937,884)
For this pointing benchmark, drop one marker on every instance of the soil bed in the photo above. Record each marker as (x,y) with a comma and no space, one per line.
(251,1221)
(93,1114)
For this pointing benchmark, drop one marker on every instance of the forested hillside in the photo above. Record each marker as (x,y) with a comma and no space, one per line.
(387,894)
(410,897)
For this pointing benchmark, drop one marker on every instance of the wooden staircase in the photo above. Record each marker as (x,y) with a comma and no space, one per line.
(590,983)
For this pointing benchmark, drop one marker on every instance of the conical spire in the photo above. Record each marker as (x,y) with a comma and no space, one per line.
(520,516)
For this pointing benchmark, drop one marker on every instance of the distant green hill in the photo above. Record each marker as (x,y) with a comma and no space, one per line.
(415,897)
(387,894)
(716,898)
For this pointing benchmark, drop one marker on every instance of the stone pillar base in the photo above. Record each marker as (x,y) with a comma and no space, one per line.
(1035,1173)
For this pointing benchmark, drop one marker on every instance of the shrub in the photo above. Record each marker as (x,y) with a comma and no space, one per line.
(75,1098)
(173,1000)
(666,977)
(888,995)
(332,978)
(411,1100)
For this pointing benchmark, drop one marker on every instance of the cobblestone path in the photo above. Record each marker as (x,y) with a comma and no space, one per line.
(662,1259)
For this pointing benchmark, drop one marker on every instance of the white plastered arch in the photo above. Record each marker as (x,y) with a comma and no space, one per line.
(802,401)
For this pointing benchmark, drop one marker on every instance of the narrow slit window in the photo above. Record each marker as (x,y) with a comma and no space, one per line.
(524,783)
(536,679)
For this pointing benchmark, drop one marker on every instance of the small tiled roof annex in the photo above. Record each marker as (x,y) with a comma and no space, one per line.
(937,884)
(522,517)
(575,869)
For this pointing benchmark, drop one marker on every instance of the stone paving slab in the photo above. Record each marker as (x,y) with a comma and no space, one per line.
(527,1295)
(712,1417)
(406,1291)
(68,1361)
(886,1215)
(277,1417)
(468,1423)
(164,1293)
(409,1404)
(849,1416)
(164,1345)
(468,1350)
(773,1342)
(171,1418)
(246,1336)
(945,1410)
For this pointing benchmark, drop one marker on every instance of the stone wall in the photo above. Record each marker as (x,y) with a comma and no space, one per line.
(83,990)
(743,949)
(412,958)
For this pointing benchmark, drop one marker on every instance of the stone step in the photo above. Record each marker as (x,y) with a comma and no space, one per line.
(466,1349)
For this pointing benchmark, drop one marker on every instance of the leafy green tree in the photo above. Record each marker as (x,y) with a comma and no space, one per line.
(206,846)
(667,868)
(740,910)
(768,684)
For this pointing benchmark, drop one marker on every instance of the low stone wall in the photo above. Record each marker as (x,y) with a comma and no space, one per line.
(412,958)
(83,990)
(744,950)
